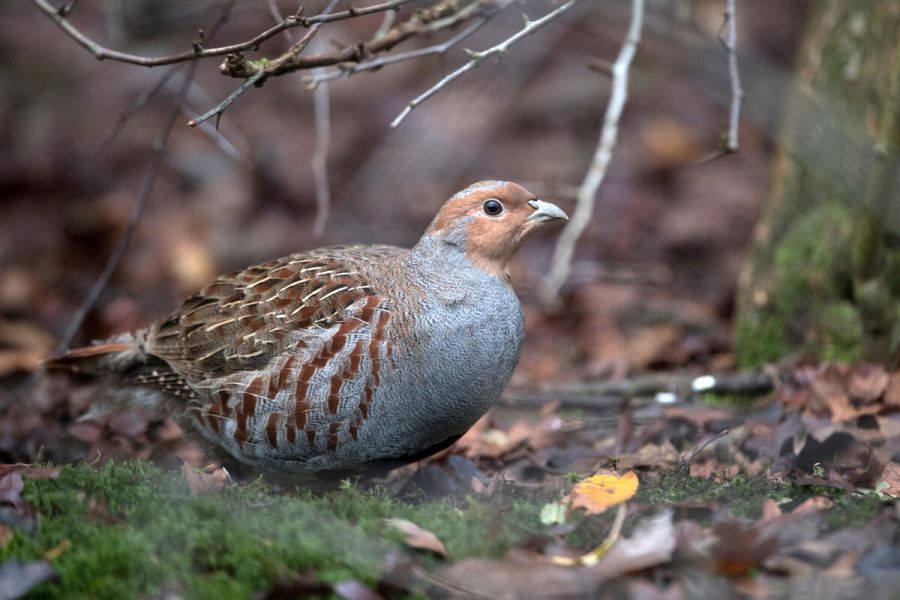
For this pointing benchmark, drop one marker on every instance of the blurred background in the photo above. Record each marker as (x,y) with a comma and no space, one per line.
(654,282)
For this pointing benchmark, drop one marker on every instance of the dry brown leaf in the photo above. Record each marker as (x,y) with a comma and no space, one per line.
(699,416)
(200,483)
(891,476)
(653,456)
(812,504)
(770,511)
(892,393)
(868,382)
(740,548)
(417,537)
(844,566)
(522,574)
(602,490)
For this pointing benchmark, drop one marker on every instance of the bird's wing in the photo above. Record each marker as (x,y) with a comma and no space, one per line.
(244,320)
(284,351)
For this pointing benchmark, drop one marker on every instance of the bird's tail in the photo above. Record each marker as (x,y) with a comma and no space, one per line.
(136,376)
(116,356)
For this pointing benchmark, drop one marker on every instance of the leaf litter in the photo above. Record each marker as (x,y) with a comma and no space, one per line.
(750,498)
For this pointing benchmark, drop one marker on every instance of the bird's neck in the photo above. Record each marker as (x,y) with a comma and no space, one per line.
(450,257)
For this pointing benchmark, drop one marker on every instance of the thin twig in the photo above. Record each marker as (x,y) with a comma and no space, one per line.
(66,9)
(346,71)
(322,111)
(737,92)
(587,193)
(224,144)
(686,463)
(59,16)
(322,116)
(443,15)
(475,58)
(258,78)
(221,106)
(139,102)
(137,211)
(386,23)
(730,143)
(610,393)
(278,18)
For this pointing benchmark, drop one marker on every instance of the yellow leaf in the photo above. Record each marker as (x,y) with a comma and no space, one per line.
(602,490)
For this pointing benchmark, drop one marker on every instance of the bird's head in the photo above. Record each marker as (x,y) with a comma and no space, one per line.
(489,220)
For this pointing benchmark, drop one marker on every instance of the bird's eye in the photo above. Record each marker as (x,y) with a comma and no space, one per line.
(492,207)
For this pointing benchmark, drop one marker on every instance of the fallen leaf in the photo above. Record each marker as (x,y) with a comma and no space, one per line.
(699,416)
(18,578)
(553,513)
(28,471)
(11,486)
(523,575)
(740,548)
(812,504)
(770,511)
(200,482)
(417,537)
(602,490)
(844,566)
(868,382)
(892,393)
(351,589)
(57,551)
(653,456)
(891,476)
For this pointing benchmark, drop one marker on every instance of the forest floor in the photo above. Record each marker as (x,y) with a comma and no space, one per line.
(789,492)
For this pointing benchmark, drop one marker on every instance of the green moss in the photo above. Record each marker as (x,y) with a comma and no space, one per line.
(133,530)
(809,311)
(760,338)
(744,496)
(726,400)
(153,536)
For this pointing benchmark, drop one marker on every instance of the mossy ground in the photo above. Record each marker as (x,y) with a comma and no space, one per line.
(233,543)
(133,530)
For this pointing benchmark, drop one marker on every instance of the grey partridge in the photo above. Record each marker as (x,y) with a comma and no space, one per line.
(341,357)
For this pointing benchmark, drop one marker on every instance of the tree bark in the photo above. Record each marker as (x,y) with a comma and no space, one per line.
(823,279)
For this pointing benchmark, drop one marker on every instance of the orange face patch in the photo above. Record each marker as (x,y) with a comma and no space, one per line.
(491,239)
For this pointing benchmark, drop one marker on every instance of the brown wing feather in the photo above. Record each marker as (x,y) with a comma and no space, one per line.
(241,321)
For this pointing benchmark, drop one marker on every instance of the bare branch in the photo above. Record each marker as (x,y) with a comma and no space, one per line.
(587,193)
(221,106)
(259,77)
(137,211)
(66,9)
(322,112)
(223,143)
(353,68)
(443,15)
(475,58)
(737,92)
(59,16)
(139,102)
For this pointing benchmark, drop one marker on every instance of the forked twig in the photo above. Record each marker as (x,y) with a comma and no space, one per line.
(475,58)
(60,17)
(587,193)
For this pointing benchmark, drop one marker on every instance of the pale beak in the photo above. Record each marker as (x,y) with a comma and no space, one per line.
(545,211)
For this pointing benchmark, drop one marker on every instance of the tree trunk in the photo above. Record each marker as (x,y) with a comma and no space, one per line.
(824,276)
